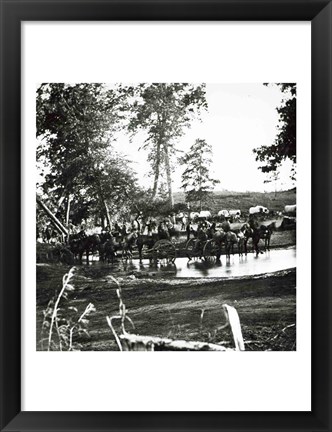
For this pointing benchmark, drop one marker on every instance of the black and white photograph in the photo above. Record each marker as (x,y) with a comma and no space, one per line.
(166,216)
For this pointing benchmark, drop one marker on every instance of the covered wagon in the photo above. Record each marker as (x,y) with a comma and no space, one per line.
(204,214)
(194,216)
(224,213)
(235,213)
(258,210)
(290,209)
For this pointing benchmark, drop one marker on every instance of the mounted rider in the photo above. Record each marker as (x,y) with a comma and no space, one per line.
(200,239)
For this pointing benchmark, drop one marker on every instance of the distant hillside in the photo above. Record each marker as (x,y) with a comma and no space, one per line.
(243,200)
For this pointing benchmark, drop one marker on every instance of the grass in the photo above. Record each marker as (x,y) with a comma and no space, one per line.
(243,201)
(62,321)
(173,308)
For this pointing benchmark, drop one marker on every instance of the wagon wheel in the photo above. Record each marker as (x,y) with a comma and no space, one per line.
(190,248)
(210,251)
(164,249)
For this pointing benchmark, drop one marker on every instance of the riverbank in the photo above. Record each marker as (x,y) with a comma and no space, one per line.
(179,308)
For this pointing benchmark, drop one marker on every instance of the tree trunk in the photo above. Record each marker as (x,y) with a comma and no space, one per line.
(67,213)
(107,212)
(168,175)
(156,172)
(104,204)
(62,198)
(55,221)
(109,222)
(67,217)
(200,182)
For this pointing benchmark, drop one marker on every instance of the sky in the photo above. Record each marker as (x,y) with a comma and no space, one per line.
(240,117)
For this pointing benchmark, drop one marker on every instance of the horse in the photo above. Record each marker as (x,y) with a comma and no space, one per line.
(128,242)
(146,240)
(104,236)
(241,240)
(230,240)
(219,237)
(266,233)
(226,226)
(174,232)
(190,230)
(211,230)
(163,232)
(87,244)
(107,250)
(202,237)
(251,230)
(263,232)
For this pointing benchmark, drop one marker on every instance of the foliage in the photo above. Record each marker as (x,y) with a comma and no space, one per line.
(196,180)
(152,208)
(64,320)
(75,128)
(75,123)
(164,111)
(284,146)
(243,201)
(180,207)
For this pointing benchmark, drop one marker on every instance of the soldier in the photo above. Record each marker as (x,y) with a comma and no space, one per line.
(188,229)
(124,229)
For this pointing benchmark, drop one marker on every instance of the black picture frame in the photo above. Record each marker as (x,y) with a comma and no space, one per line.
(13,12)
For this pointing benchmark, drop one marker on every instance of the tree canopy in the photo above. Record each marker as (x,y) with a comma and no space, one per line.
(82,175)
(284,147)
(164,111)
(196,180)
(75,127)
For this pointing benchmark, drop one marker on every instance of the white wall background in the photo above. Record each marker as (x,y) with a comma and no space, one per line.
(213,52)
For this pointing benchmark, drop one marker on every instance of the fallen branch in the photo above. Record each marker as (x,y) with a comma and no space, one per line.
(282,331)
(133,342)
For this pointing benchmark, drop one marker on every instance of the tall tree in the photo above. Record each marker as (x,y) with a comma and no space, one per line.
(196,180)
(75,126)
(284,146)
(164,111)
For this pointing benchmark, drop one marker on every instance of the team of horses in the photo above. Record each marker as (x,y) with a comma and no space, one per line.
(106,244)
(109,244)
(223,236)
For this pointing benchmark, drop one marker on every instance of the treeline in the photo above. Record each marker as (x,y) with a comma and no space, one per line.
(81,175)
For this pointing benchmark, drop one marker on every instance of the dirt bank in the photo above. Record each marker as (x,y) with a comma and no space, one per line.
(188,309)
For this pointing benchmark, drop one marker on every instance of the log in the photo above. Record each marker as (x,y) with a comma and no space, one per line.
(55,220)
(133,342)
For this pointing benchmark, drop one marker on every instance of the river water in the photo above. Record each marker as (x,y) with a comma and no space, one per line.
(250,265)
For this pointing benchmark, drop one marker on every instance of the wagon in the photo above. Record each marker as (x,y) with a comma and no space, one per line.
(164,250)
(207,250)
(157,248)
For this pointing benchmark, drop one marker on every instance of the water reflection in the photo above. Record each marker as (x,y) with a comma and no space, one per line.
(234,266)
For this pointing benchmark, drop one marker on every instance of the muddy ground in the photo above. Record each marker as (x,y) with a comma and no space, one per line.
(180,308)
(173,308)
